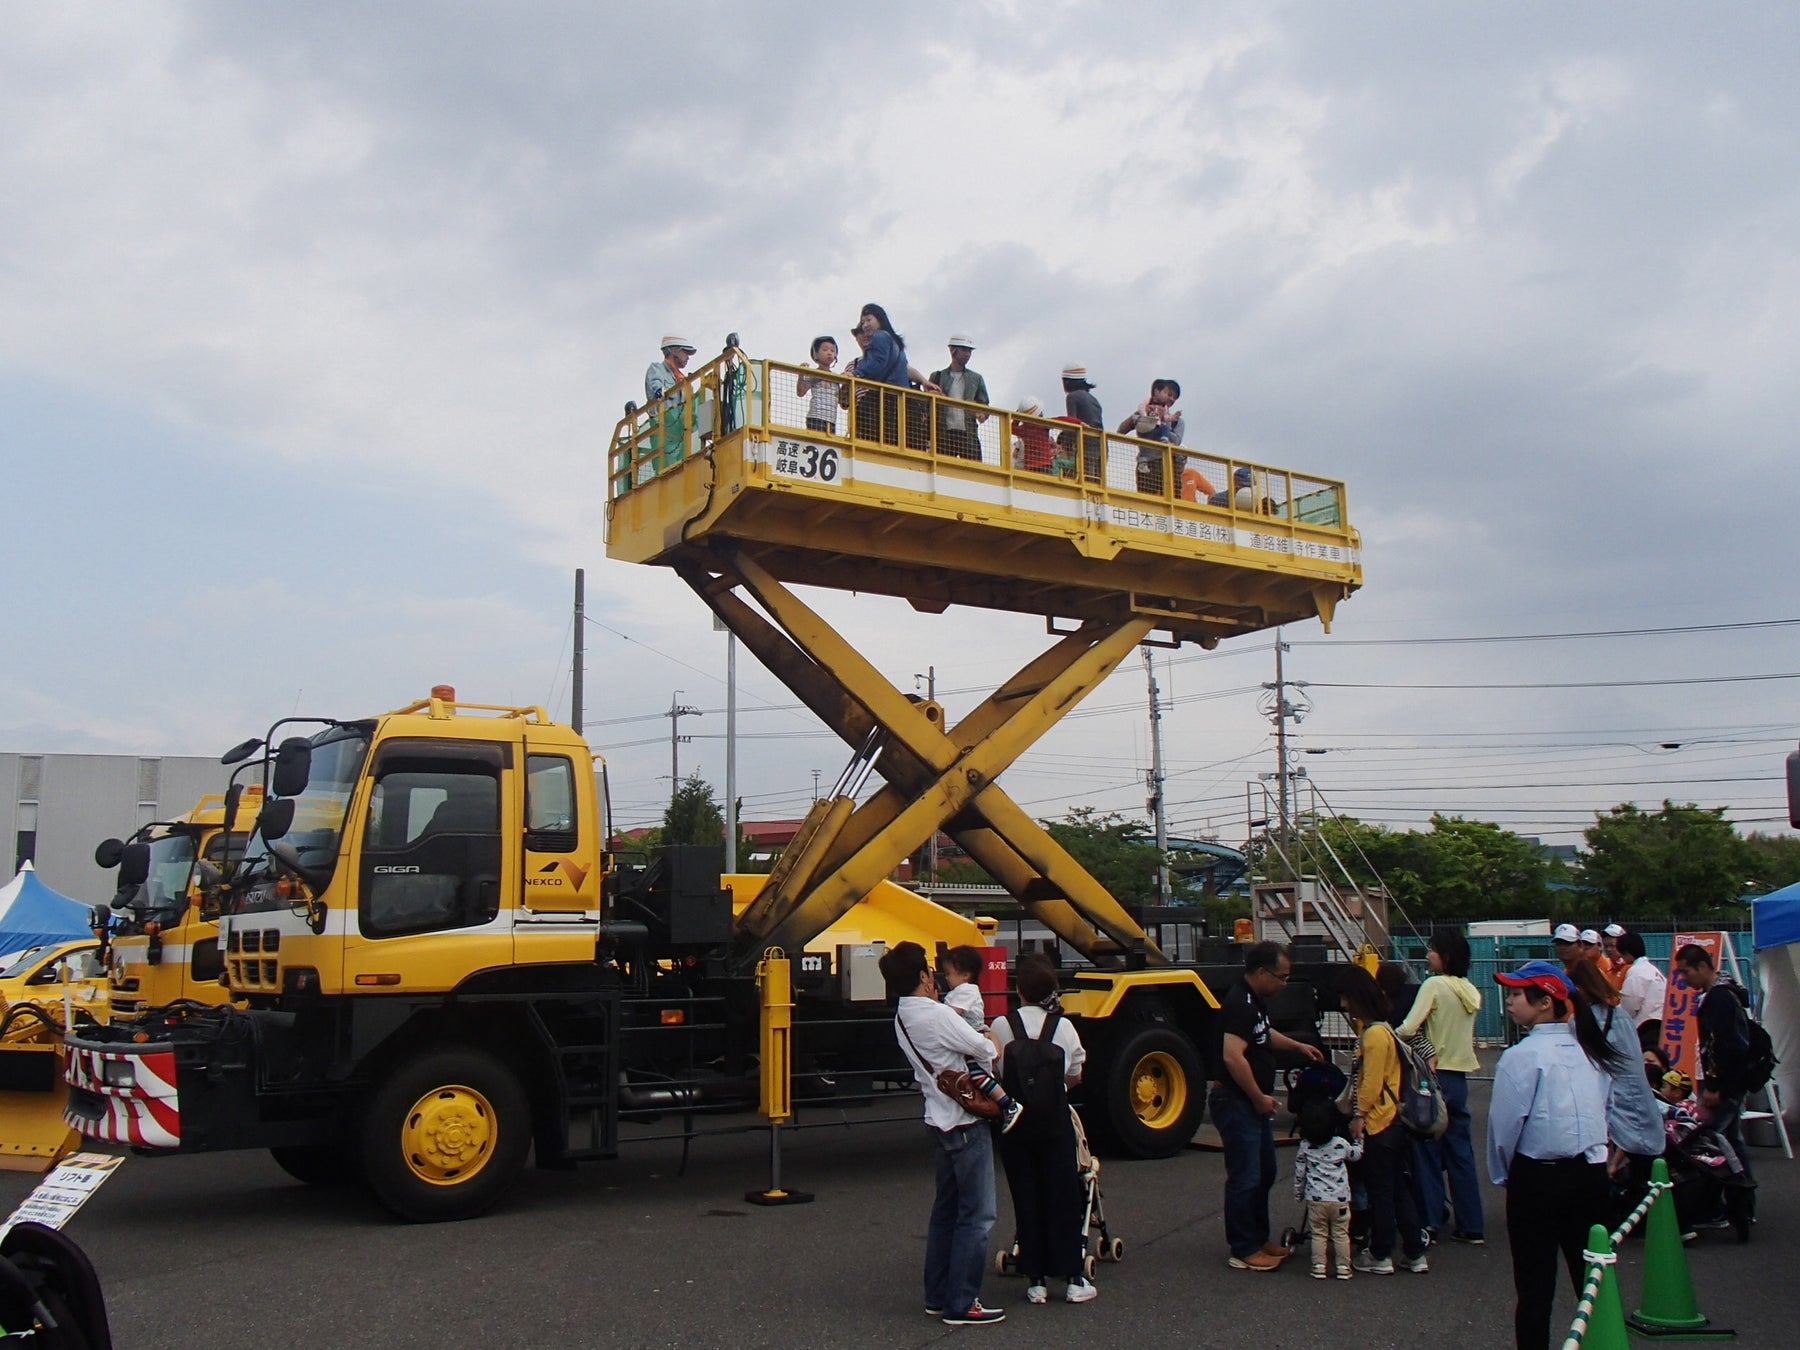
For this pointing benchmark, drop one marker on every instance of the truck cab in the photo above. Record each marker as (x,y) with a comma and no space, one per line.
(163,944)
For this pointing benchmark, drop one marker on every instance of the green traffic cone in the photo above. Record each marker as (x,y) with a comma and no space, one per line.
(1606,1323)
(1668,1308)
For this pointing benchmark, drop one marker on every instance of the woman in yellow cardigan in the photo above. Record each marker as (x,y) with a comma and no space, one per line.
(1376,1121)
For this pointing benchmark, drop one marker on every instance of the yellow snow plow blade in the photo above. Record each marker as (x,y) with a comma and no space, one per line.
(33,1135)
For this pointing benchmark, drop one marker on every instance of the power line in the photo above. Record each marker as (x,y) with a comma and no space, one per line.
(1571,684)
(1549,637)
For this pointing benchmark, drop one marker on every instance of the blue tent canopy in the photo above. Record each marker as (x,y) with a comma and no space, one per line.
(31,914)
(1775,918)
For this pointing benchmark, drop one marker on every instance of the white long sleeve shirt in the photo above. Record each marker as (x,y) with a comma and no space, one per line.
(1643,991)
(935,1039)
(1549,1102)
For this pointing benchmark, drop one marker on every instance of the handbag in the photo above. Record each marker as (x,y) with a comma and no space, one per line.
(956,1084)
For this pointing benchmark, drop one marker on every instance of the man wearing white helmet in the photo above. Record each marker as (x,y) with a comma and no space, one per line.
(669,372)
(1566,942)
(1590,947)
(956,426)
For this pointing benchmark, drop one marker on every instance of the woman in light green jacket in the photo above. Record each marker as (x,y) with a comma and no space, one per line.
(1445,1011)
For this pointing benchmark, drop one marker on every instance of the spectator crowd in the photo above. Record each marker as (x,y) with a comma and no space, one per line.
(1583,1104)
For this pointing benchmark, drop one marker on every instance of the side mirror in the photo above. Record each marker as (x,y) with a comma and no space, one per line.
(276,818)
(293,766)
(233,795)
(134,864)
(239,753)
(109,853)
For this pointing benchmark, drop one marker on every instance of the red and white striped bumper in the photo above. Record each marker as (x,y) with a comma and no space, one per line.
(125,1096)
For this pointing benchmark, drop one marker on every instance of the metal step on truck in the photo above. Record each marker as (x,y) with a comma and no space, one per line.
(444,969)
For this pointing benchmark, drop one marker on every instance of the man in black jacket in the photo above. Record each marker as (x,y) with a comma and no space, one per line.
(1724,1026)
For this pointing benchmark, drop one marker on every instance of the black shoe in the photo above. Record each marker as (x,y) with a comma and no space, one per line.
(1468,1239)
(976,1316)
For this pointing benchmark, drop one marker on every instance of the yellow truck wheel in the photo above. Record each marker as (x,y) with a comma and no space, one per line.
(445,1135)
(1152,1091)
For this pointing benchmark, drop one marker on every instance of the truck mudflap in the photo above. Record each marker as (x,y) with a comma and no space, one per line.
(124,1094)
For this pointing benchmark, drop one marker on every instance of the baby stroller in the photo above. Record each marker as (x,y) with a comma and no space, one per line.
(1711,1189)
(1097,1244)
(1316,1082)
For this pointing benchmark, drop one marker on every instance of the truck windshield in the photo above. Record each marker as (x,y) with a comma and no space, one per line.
(337,759)
(171,866)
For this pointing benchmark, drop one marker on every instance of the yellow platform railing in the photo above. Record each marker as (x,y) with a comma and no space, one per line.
(734,394)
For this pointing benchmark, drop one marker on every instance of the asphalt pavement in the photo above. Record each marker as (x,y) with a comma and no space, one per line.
(226,1251)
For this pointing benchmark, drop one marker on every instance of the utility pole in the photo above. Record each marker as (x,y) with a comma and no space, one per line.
(931,852)
(1281,760)
(731,819)
(1155,804)
(731,801)
(580,650)
(677,710)
(1280,709)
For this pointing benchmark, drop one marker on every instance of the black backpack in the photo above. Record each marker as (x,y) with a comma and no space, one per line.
(1759,1055)
(1032,1075)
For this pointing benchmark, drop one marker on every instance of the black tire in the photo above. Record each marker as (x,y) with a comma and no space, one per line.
(321,1165)
(445,1135)
(1152,1092)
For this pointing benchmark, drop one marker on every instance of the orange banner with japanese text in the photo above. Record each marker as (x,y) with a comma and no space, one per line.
(1680,1029)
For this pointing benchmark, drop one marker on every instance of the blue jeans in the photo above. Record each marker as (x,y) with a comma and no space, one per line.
(956,1243)
(1453,1154)
(1249,1142)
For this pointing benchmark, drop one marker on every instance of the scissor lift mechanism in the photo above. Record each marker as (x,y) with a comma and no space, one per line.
(717,489)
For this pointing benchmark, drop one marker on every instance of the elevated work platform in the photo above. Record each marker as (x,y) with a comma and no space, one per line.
(1027,514)
(1111,539)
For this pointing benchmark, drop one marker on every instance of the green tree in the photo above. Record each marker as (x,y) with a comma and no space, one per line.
(1459,869)
(1775,861)
(1652,864)
(693,816)
(1117,852)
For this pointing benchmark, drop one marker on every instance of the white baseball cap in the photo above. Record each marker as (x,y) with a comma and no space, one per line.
(961,340)
(1615,930)
(1566,932)
(1591,936)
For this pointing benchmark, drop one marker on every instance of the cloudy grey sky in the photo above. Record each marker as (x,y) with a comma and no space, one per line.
(315,320)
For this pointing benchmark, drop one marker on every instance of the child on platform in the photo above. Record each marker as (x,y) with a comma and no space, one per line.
(827,395)
(1322,1181)
(961,968)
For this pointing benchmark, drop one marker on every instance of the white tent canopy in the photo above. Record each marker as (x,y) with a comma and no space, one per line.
(32,914)
(1775,923)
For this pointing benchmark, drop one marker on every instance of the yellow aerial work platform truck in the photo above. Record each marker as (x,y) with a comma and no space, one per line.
(444,968)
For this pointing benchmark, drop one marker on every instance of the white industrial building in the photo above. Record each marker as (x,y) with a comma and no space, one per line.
(55,808)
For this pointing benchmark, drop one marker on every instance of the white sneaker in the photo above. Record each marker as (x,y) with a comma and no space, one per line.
(1418,1265)
(1370,1266)
(1080,1291)
(1036,1293)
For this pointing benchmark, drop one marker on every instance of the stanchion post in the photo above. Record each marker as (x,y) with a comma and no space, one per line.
(774,977)
(1668,1309)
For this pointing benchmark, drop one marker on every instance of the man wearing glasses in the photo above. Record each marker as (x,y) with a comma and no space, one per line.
(1243,1107)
